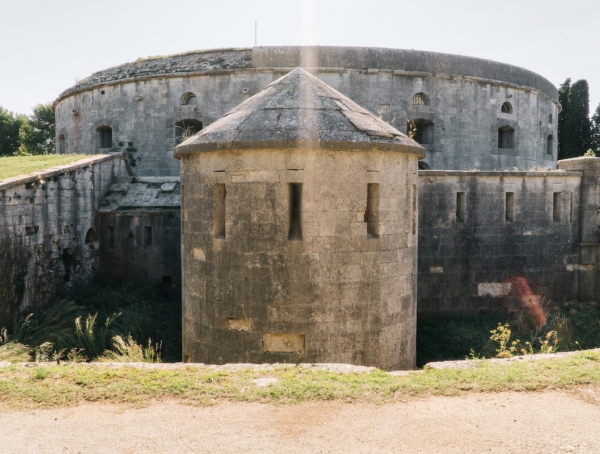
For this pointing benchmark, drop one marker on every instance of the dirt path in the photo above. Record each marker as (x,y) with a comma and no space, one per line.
(549,422)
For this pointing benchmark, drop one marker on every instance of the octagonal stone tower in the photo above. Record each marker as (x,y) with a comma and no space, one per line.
(299,232)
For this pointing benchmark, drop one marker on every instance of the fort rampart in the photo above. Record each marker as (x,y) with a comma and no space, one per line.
(468,112)
(48,230)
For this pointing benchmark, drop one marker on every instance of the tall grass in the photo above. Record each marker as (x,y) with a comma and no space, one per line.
(101,322)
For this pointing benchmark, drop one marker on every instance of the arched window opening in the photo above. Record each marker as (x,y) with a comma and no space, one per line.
(185,129)
(423,131)
(104,137)
(420,99)
(506,137)
(91,239)
(506,108)
(424,166)
(549,118)
(62,144)
(189,99)
(549,144)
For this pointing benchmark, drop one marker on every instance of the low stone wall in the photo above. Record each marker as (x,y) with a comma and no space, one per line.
(487,237)
(48,224)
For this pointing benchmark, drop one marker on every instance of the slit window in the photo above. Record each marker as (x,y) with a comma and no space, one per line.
(295,228)
(111,236)
(147,236)
(372,211)
(460,207)
(219,210)
(549,144)
(556,206)
(509,212)
(571,207)
(414,209)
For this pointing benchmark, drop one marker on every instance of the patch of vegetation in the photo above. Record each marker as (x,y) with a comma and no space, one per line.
(571,326)
(12,166)
(115,323)
(71,384)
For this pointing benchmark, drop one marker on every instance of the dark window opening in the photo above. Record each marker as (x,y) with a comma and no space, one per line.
(549,144)
(91,238)
(423,131)
(372,211)
(219,210)
(506,108)
(167,280)
(506,137)
(549,118)
(62,144)
(556,206)
(104,137)
(420,99)
(111,236)
(189,99)
(31,230)
(147,236)
(460,207)
(571,207)
(509,215)
(185,129)
(424,166)
(414,209)
(295,230)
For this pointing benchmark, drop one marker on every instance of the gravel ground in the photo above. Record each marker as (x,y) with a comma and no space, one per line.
(546,422)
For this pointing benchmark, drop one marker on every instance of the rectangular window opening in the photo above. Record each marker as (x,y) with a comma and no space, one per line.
(219,210)
(111,236)
(295,230)
(414,209)
(372,211)
(556,206)
(147,236)
(510,207)
(460,207)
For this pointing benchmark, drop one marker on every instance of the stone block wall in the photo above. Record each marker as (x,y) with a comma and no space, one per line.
(48,230)
(478,231)
(341,290)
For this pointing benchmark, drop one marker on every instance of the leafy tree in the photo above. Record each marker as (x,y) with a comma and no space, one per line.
(9,132)
(38,132)
(575,134)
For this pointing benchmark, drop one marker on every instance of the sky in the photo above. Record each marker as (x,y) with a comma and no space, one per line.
(46,46)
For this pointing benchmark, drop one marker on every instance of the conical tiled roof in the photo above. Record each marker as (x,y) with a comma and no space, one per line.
(299,110)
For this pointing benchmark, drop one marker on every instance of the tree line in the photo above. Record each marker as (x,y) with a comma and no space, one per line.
(578,134)
(28,135)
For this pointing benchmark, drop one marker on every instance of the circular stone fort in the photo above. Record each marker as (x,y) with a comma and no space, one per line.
(467,113)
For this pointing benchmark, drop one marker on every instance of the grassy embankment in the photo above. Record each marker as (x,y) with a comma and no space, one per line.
(61,385)
(13,166)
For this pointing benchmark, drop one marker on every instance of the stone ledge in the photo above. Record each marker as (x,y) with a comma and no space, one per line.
(57,170)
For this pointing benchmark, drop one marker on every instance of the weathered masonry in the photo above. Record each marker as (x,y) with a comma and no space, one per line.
(49,235)
(468,112)
(299,232)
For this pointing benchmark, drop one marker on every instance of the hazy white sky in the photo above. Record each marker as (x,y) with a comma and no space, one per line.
(46,45)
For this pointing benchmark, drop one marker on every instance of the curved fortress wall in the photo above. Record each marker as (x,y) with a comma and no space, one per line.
(469,113)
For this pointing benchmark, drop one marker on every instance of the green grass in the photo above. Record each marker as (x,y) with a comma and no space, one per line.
(63,385)
(12,166)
